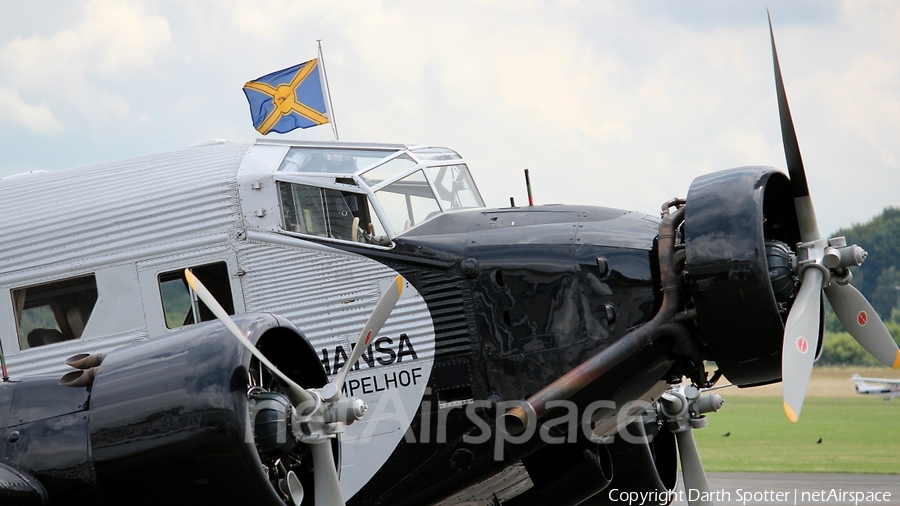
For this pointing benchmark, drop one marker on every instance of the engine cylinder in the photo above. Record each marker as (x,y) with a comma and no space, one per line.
(270,415)
(778,258)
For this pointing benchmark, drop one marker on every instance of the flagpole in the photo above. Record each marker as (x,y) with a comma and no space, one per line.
(327,92)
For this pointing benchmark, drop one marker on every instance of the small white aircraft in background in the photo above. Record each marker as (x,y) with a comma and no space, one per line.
(889,388)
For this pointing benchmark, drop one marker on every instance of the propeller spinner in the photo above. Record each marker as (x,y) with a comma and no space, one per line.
(320,412)
(822,265)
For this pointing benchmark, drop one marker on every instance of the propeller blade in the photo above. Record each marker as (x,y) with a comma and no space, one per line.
(325,478)
(692,469)
(376,320)
(862,322)
(806,214)
(297,394)
(801,334)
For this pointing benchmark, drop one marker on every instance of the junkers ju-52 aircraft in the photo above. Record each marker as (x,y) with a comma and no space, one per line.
(214,304)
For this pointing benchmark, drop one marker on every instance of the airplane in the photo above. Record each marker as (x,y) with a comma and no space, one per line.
(887,387)
(325,323)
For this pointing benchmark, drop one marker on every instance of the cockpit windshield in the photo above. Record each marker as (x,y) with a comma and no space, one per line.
(408,202)
(454,186)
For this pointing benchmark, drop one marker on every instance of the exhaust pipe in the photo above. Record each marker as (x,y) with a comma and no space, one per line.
(79,378)
(517,420)
(291,487)
(87,366)
(85,360)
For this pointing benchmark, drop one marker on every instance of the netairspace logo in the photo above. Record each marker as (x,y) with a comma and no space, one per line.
(486,417)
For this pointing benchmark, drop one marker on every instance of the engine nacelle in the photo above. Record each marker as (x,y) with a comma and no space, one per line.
(173,413)
(166,420)
(734,220)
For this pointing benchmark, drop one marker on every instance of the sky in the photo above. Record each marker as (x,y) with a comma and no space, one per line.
(618,104)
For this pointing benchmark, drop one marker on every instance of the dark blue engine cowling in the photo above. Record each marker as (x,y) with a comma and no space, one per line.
(549,285)
(519,296)
(166,420)
(730,216)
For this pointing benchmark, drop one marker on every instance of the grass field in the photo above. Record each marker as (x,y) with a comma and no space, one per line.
(860,434)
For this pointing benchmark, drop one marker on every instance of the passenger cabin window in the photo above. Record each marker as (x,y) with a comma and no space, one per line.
(327,212)
(54,312)
(182,307)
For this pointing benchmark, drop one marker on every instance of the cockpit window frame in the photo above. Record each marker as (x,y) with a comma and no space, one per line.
(356,183)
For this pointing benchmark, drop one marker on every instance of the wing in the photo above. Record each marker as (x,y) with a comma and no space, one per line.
(882,381)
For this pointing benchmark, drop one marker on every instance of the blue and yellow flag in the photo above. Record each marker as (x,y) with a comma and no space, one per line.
(287,99)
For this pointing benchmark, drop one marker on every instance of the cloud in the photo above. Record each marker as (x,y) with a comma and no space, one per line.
(621,105)
(81,67)
(608,103)
(114,38)
(35,118)
(124,37)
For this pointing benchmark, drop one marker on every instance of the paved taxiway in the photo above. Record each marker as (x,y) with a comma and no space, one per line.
(800,489)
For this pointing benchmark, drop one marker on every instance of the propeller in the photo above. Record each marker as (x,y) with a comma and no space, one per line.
(370,329)
(318,414)
(682,408)
(822,265)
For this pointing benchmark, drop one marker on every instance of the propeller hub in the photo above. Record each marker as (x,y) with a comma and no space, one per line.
(831,256)
(347,410)
(844,256)
(682,407)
